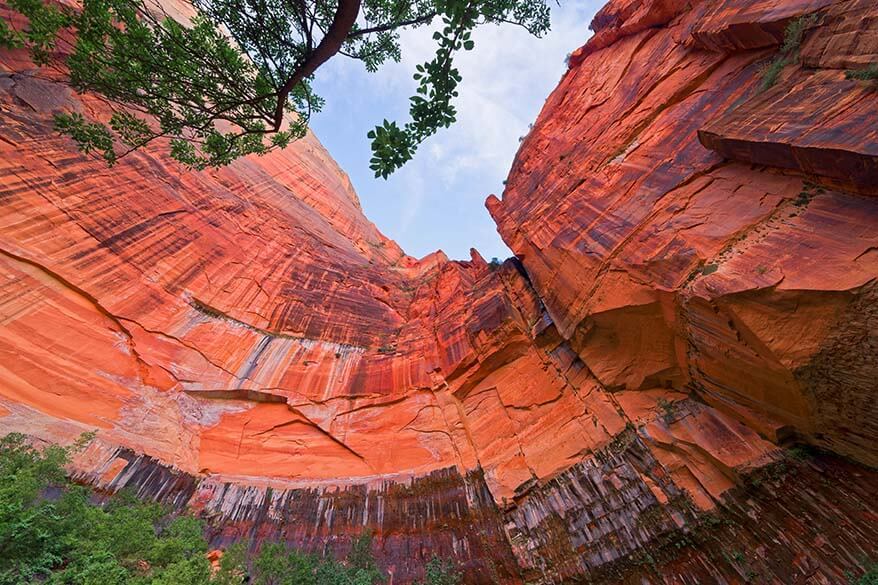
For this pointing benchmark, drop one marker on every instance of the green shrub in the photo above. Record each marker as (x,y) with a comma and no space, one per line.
(793,35)
(275,565)
(441,572)
(65,539)
(772,71)
(868,74)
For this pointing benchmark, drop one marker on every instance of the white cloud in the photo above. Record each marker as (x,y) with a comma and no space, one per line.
(506,78)
(437,199)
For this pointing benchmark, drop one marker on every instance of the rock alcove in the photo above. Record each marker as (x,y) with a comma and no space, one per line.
(694,292)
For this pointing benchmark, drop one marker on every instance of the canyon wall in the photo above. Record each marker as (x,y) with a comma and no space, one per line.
(694,289)
(687,226)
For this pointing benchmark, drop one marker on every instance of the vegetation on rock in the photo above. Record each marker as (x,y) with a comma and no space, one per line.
(869,578)
(868,74)
(441,572)
(52,531)
(237,79)
(793,35)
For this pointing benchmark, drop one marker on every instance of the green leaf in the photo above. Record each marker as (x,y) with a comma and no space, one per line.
(189,83)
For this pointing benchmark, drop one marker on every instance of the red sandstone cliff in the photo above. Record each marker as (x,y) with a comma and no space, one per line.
(696,286)
(687,229)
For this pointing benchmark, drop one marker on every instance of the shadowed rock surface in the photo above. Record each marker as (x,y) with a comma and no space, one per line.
(694,289)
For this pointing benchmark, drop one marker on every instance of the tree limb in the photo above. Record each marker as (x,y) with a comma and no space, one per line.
(330,44)
(393,25)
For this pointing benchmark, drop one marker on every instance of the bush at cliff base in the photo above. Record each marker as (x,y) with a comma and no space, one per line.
(51,532)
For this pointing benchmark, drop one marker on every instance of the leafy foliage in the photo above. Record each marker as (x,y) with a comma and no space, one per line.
(217,96)
(794,33)
(50,532)
(66,539)
(27,523)
(276,566)
(772,72)
(441,572)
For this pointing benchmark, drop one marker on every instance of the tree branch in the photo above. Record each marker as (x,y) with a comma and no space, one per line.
(393,25)
(330,44)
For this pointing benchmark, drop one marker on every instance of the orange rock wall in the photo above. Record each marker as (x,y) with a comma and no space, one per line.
(694,287)
(688,229)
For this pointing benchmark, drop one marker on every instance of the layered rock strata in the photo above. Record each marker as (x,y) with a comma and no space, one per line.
(694,289)
(686,227)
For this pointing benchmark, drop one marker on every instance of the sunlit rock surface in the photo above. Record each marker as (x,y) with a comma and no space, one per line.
(695,288)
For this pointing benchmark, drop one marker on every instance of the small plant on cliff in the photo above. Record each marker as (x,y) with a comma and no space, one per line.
(237,78)
(869,74)
(708,269)
(772,72)
(795,33)
(668,410)
(789,51)
(494,264)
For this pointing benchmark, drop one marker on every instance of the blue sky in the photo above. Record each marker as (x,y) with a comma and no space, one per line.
(437,200)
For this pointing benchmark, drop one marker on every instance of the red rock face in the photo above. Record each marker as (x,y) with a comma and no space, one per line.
(687,229)
(695,287)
